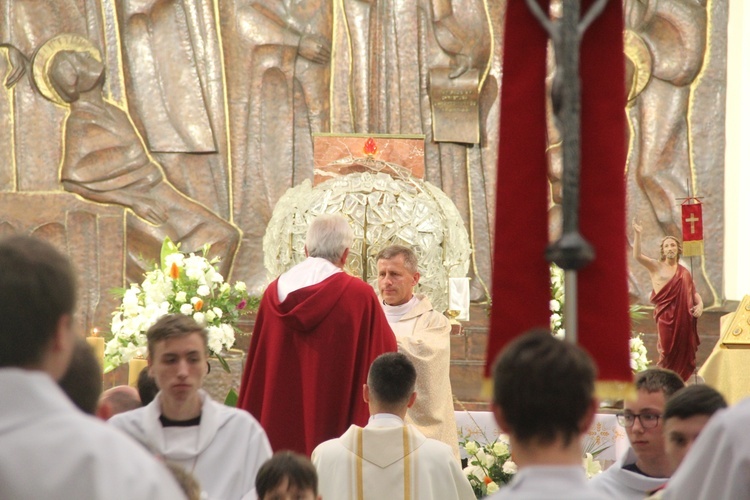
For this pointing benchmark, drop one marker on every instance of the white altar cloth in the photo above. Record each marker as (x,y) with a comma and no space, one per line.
(605,432)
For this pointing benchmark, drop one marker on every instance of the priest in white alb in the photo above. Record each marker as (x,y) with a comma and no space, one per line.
(389,458)
(423,334)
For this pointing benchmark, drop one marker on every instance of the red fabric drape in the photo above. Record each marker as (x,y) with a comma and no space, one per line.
(520,275)
(604,322)
(520,281)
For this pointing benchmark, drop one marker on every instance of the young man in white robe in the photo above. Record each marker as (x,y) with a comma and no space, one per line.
(48,447)
(645,466)
(388,458)
(423,334)
(718,464)
(222,447)
(543,397)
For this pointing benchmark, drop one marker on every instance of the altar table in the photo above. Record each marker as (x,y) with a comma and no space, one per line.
(605,433)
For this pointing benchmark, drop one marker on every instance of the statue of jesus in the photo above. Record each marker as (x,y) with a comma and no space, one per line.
(677,305)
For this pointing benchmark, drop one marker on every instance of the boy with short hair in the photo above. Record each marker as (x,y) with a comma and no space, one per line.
(287,476)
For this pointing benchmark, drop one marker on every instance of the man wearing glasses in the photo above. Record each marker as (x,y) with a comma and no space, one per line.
(645,466)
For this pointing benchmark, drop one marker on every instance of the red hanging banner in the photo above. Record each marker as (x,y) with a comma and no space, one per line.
(692,228)
(520,283)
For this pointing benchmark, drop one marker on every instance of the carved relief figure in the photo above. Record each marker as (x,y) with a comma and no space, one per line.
(665,45)
(105,161)
(278,77)
(385,50)
(173,77)
(24,26)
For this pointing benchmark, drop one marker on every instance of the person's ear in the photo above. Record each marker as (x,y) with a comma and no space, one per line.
(589,416)
(104,411)
(62,339)
(500,419)
(344,256)
(416,278)
(306,254)
(412,398)
(366,393)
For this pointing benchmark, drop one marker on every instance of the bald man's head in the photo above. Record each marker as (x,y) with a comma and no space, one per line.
(116,400)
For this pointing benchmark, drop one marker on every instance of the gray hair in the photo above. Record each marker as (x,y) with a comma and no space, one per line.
(328,237)
(393,251)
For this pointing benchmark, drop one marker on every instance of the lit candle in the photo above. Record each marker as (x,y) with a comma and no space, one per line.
(97,345)
(135,367)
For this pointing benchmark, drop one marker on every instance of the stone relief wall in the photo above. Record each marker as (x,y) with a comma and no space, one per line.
(205,112)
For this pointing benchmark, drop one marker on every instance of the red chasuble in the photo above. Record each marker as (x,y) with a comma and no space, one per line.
(678,334)
(308,360)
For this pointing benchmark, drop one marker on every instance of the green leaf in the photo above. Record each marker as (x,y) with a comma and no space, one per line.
(223,363)
(232,398)
(167,248)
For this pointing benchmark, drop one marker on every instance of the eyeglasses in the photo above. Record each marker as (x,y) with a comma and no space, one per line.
(648,420)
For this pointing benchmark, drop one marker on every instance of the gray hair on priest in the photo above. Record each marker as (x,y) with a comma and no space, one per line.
(328,236)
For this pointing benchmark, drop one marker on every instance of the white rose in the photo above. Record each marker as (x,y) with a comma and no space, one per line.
(218,312)
(210,315)
(500,448)
(510,467)
(174,258)
(215,345)
(181,297)
(200,318)
(227,335)
(492,487)
(186,309)
(225,287)
(240,286)
(476,471)
(204,291)
(554,305)
(471,447)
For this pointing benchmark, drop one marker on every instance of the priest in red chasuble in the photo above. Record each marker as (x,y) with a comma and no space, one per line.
(317,331)
(677,306)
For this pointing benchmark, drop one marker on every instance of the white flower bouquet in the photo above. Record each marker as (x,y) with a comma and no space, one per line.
(556,303)
(186,284)
(489,465)
(638,354)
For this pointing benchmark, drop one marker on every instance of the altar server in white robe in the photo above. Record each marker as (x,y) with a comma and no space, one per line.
(543,397)
(48,447)
(718,464)
(388,458)
(423,334)
(222,447)
(645,466)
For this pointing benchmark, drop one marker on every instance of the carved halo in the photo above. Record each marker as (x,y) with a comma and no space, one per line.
(44,55)
(637,51)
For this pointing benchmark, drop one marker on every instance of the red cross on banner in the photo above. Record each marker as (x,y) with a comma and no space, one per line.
(692,228)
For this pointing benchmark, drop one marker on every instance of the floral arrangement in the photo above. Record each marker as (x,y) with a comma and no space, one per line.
(557,289)
(638,353)
(489,466)
(186,284)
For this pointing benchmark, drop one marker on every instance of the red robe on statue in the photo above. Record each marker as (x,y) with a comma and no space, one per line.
(308,359)
(678,333)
